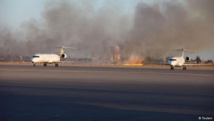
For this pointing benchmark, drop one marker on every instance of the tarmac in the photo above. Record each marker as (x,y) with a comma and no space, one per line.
(105,93)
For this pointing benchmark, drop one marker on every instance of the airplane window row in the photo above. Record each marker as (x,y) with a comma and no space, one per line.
(172,59)
(35,56)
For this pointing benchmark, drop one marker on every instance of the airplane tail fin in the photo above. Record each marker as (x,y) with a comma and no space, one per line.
(62,51)
(184,50)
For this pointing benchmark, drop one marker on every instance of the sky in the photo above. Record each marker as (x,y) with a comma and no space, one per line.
(15,13)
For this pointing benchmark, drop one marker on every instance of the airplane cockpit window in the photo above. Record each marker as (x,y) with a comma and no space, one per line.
(172,59)
(35,56)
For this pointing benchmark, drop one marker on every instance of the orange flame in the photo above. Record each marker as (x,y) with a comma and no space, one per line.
(134,64)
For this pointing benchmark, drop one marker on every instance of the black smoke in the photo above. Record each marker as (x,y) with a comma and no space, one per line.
(152,31)
(168,25)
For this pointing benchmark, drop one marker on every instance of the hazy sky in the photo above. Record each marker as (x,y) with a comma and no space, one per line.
(15,13)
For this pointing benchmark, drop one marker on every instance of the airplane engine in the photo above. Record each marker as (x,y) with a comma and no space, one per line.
(63,56)
(187,58)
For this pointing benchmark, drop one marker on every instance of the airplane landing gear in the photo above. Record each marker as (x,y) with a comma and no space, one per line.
(184,68)
(172,67)
(45,64)
(56,65)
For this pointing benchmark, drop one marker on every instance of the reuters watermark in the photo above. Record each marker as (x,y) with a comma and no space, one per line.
(205,118)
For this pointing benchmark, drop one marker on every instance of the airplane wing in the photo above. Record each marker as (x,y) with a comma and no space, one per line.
(63,61)
(192,64)
(158,63)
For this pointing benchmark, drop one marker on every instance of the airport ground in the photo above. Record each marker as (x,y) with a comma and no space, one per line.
(105,93)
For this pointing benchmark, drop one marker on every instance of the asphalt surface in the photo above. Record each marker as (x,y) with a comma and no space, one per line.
(83,93)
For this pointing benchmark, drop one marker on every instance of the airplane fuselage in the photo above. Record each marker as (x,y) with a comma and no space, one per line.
(45,58)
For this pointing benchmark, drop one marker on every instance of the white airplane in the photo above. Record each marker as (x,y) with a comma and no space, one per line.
(180,61)
(49,58)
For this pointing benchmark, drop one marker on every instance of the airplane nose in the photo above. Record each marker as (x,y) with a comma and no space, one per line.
(32,60)
(169,62)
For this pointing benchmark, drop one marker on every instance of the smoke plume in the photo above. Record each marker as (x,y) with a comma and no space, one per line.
(169,25)
(152,31)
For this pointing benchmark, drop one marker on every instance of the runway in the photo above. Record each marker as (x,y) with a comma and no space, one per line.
(104,93)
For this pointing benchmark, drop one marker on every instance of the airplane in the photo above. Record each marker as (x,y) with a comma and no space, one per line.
(50,58)
(180,61)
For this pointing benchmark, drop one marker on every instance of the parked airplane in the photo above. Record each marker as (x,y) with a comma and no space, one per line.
(180,61)
(49,58)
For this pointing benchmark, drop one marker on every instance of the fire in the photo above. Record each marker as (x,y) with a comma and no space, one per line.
(134,64)
(134,60)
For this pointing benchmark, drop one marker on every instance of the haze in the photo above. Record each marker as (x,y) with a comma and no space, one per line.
(140,30)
